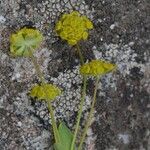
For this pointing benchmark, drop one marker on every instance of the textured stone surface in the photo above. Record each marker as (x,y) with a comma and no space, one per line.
(121,35)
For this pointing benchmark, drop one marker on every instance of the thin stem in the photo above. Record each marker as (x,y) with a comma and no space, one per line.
(80,54)
(41,76)
(90,115)
(80,112)
(56,133)
(82,99)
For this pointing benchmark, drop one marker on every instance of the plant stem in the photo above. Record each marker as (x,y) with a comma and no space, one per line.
(41,76)
(56,133)
(80,54)
(90,115)
(80,112)
(82,100)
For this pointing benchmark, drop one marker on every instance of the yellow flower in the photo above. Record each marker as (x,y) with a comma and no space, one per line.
(73,27)
(96,68)
(24,40)
(45,92)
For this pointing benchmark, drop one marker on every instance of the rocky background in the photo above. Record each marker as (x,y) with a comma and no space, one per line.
(121,35)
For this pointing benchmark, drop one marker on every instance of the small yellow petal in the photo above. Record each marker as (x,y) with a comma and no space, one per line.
(75,13)
(89,24)
(58,26)
(72,42)
(64,16)
(63,35)
(84,69)
(85,35)
(109,66)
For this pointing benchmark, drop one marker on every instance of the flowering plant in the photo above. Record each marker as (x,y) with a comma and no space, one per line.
(96,68)
(24,43)
(73,27)
(38,91)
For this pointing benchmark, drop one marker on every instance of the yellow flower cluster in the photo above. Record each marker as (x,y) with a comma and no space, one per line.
(73,27)
(45,92)
(96,68)
(24,40)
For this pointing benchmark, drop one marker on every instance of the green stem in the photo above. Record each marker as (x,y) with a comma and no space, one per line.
(56,133)
(80,54)
(82,100)
(80,112)
(41,76)
(90,115)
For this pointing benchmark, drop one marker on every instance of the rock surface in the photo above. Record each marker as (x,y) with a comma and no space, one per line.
(121,35)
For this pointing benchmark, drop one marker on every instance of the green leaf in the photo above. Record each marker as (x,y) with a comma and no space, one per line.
(66,137)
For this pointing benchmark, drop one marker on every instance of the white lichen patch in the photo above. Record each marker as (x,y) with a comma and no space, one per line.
(124,137)
(53,9)
(32,135)
(123,56)
(145,82)
(4,58)
(68,103)
(48,12)
(2,19)
(113,25)
(24,69)
(90,141)
(41,142)
(3,98)
(21,103)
